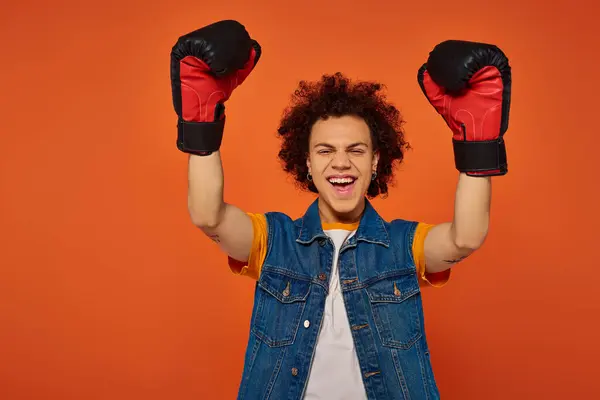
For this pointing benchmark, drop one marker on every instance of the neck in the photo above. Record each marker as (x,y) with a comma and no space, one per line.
(330,216)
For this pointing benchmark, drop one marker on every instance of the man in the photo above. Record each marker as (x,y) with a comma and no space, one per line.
(337,311)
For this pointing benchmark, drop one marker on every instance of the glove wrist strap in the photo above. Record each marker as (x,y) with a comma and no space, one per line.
(200,138)
(480,157)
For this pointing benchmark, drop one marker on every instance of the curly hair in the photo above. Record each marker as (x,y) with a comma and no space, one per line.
(335,96)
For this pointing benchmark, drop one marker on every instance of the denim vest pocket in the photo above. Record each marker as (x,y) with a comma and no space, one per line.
(280,303)
(395,305)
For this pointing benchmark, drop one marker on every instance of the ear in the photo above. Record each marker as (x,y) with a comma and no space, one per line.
(375,161)
(308,162)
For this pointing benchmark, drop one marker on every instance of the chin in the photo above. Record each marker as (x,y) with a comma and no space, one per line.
(344,206)
(344,200)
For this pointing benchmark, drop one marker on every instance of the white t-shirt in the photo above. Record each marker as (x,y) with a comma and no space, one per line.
(335,373)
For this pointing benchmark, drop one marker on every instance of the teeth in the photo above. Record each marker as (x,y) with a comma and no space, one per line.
(341,180)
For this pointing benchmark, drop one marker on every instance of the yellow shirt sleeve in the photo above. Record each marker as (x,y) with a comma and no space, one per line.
(438,279)
(258,252)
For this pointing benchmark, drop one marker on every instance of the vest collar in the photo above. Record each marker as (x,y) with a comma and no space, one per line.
(371,227)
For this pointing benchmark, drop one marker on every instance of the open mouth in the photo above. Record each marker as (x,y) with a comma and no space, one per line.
(342,185)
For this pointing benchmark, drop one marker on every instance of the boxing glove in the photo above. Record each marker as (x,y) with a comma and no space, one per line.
(206,66)
(469,85)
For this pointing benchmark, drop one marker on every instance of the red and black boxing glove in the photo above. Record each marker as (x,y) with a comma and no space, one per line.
(469,84)
(206,66)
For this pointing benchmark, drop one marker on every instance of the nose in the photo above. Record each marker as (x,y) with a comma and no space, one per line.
(341,160)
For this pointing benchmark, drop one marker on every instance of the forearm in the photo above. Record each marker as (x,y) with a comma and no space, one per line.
(471,211)
(205,189)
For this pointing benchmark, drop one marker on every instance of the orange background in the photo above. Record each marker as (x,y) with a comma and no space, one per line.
(107,291)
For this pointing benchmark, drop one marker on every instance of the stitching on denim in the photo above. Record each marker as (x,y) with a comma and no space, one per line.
(276,371)
(400,375)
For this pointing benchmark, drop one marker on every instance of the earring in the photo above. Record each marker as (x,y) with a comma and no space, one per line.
(373,176)
(309,176)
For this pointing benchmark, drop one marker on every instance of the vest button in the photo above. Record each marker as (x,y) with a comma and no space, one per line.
(306,323)
(321,242)
(322,276)
(294,371)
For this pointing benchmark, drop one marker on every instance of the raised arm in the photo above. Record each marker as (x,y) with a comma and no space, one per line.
(226,224)
(448,243)
(469,85)
(206,66)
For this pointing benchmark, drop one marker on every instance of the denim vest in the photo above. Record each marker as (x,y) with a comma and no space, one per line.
(382,297)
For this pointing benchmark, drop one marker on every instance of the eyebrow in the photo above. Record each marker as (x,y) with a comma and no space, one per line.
(356,144)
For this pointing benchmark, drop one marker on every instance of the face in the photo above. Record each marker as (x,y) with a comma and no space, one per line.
(341,161)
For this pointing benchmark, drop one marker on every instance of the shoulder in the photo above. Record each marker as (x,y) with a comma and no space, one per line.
(410,235)
(403,229)
(279,217)
(272,217)
(409,230)
(277,224)
(276,220)
(399,223)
